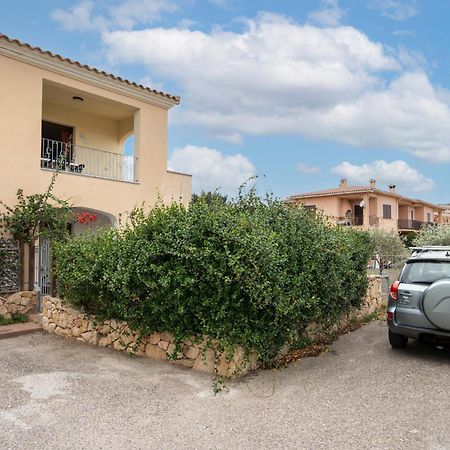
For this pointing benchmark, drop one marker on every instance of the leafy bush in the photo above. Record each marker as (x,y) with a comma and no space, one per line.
(433,235)
(249,272)
(388,247)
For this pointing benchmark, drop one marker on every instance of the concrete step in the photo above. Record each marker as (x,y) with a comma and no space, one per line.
(18,329)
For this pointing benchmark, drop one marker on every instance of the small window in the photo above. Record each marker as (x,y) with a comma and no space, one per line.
(428,217)
(310,207)
(387,213)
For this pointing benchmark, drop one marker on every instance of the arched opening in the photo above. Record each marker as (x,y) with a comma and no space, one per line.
(129,159)
(88,220)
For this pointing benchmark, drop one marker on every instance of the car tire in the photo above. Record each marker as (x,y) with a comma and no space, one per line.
(397,340)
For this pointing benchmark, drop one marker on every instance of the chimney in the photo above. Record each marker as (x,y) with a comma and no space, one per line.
(392,187)
(373,183)
(343,183)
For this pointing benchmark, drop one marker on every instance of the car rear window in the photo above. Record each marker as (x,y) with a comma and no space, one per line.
(425,271)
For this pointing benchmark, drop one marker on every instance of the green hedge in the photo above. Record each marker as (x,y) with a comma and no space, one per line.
(250,272)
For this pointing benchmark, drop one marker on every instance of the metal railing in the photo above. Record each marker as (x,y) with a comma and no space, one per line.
(86,161)
(411,224)
(351,221)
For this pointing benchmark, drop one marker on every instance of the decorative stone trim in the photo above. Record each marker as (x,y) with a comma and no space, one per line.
(20,302)
(63,320)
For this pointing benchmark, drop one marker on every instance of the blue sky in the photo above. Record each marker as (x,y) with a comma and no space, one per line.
(301,93)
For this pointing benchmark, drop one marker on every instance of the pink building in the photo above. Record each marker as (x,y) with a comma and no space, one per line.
(368,206)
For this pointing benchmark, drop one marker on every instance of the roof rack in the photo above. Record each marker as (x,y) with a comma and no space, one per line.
(430,248)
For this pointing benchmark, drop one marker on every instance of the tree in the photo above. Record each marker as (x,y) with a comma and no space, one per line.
(433,235)
(36,215)
(209,197)
(388,248)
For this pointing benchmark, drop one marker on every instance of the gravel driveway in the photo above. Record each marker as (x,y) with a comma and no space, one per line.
(59,394)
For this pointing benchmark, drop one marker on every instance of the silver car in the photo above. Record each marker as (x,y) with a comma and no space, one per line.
(419,302)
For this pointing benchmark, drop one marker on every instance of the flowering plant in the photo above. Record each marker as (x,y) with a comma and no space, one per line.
(85,218)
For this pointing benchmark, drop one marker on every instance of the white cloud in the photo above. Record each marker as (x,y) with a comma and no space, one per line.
(279,77)
(306,168)
(330,15)
(220,3)
(125,15)
(79,17)
(395,9)
(130,12)
(405,177)
(211,169)
(403,32)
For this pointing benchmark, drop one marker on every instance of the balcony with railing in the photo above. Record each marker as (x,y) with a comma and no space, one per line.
(412,224)
(76,159)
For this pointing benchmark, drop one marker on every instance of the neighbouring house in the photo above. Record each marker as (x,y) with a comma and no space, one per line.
(368,206)
(445,213)
(107,135)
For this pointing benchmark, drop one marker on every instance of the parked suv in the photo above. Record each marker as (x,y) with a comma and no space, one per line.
(419,302)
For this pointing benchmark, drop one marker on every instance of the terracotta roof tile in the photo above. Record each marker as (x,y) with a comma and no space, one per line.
(357,190)
(174,98)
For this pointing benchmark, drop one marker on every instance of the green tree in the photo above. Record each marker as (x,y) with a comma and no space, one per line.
(36,215)
(433,235)
(388,247)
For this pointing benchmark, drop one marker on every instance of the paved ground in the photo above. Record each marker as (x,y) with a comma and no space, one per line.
(59,394)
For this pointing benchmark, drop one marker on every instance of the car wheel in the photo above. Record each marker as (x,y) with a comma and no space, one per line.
(397,340)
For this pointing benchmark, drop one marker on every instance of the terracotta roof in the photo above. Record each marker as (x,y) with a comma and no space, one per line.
(174,98)
(325,192)
(358,190)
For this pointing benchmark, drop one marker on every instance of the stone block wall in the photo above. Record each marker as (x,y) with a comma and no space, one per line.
(63,320)
(374,301)
(20,302)
(60,319)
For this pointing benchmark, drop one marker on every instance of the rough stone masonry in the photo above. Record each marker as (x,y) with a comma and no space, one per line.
(61,319)
(19,302)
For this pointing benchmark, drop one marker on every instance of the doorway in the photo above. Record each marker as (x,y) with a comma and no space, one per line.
(56,144)
(359,215)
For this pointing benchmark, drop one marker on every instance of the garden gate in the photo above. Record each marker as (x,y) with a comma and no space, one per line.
(43,270)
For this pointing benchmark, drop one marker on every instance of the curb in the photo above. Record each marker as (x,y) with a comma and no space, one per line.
(19,329)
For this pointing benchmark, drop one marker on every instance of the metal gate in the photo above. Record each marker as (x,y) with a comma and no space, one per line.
(43,276)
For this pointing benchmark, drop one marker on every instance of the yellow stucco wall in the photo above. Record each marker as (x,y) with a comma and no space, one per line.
(21,113)
(90,130)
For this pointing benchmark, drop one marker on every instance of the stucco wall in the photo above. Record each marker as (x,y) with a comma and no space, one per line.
(21,87)
(90,130)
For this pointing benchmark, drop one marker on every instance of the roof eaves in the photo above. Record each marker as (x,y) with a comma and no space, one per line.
(173,98)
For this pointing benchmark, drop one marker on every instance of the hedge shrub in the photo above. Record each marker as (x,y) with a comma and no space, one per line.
(251,272)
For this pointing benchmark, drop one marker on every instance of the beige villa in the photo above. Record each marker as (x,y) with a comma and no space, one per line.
(53,109)
(368,206)
(106,135)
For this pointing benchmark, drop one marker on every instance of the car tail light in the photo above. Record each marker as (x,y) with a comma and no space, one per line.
(390,315)
(393,291)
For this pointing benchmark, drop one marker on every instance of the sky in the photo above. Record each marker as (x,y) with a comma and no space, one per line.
(300,93)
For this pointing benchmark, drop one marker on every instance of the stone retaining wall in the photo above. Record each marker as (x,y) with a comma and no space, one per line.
(374,301)
(19,302)
(63,320)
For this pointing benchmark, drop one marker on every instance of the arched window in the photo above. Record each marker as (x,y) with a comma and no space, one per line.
(128,146)
(128,158)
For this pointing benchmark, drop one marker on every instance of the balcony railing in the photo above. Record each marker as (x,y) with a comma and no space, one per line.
(411,224)
(351,221)
(87,161)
